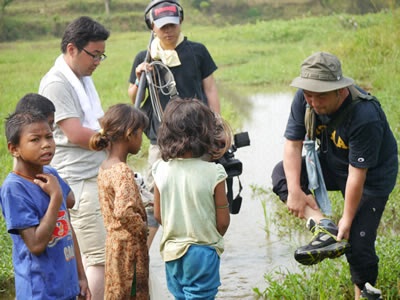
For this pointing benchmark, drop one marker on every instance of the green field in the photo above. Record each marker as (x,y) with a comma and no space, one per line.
(261,56)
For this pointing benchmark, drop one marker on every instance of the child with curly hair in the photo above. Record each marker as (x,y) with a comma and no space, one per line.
(190,201)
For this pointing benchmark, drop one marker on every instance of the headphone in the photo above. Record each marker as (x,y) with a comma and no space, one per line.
(147,11)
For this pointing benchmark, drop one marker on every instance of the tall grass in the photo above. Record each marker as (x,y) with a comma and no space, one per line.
(262,57)
(329,279)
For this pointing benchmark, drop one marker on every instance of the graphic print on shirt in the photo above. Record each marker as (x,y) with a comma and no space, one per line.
(339,143)
(337,140)
(62,230)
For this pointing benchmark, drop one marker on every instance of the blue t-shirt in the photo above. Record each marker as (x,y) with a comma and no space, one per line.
(363,139)
(52,274)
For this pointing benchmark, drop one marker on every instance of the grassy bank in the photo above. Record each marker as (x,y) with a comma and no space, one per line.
(252,58)
(28,19)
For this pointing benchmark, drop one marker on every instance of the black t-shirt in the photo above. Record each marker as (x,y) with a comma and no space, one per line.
(196,64)
(363,139)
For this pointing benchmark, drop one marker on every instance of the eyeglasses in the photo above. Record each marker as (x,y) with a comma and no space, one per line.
(96,57)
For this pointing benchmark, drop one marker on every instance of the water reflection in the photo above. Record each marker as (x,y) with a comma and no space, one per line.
(249,254)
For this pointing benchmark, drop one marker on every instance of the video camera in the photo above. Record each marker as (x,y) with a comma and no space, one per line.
(234,167)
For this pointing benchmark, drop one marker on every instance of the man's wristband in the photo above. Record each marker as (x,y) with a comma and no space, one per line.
(137,82)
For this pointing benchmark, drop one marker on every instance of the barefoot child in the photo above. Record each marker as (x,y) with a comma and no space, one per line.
(46,256)
(127,259)
(190,199)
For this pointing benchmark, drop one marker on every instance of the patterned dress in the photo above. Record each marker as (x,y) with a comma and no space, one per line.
(127,258)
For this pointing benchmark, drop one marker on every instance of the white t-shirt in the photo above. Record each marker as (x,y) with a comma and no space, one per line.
(72,162)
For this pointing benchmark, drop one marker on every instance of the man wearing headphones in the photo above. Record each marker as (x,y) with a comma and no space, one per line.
(190,63)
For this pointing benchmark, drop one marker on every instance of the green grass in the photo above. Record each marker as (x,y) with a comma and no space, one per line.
(260,57)
(329,279)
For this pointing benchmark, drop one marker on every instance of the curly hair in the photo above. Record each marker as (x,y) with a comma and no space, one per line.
(118,123)
(188,125)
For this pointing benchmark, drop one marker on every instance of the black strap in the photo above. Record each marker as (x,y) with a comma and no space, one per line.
(310,119)
(234,203)
(357,96)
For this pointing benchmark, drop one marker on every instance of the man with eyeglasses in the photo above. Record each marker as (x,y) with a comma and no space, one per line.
(69,85)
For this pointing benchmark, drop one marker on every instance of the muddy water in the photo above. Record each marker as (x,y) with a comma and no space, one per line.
(249,252)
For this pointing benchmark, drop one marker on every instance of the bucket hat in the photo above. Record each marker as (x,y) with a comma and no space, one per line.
(321,72)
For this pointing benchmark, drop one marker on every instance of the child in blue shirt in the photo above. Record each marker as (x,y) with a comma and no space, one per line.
(46,256)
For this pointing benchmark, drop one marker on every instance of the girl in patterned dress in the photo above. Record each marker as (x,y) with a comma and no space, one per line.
(127,258)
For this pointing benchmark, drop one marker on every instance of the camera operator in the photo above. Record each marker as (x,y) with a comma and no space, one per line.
(190,63)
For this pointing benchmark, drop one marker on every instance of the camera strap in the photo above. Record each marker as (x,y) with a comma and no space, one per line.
(234,203)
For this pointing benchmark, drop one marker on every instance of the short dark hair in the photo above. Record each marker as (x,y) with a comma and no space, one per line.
(15,122)
(35,102)
(81,31)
